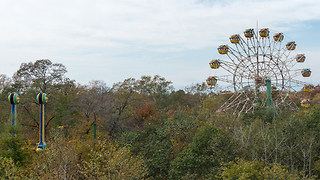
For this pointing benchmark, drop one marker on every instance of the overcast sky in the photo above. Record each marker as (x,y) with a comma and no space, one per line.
(112,40)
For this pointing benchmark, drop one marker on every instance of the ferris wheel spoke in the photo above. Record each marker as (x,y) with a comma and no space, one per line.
(241,62)
(285,53)
(284,100)
(264,46)
(234,100)
(295,73)
(245,52)
(230,67)
(254,43)
(226,78)
(295,83)
(290,62)
(237,55)
(246,47)
(276,49)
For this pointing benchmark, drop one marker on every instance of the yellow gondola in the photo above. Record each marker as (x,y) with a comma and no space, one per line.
(308,88)
(223,49)
(264,32)
(235,38)
(300,58)
(291,46)
(305,103)
(248,33)
(211,80)
(278,37)
(214,64)
(306,72)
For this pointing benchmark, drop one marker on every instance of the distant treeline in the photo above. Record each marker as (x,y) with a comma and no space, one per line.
(148,130)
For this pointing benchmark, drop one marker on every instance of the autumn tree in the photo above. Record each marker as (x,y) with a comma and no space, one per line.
(111,162)
(137,97)
(157,88)
(93,102)
(41,75)
(255,169)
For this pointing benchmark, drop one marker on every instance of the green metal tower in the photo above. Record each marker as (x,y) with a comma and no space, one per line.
(269,102)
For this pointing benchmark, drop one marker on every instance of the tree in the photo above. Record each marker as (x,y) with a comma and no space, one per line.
(14,147)
(94,105)
(5,82)
(111,162)
(41,75)
(158,88)
(132,96)
(59,160)
(255,169)
(122,95)
(8,169)
(210,147)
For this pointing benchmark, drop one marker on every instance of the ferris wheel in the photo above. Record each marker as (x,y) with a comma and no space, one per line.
(261,71)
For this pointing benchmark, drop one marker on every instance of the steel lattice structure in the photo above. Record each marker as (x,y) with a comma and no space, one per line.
(253,59)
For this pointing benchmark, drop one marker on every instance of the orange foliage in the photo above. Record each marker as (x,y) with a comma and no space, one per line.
(144,112)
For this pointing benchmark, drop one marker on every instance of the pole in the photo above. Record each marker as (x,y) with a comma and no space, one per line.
(42,100)
(13,99)
(13,112)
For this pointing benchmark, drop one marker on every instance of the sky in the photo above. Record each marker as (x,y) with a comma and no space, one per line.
(112,40)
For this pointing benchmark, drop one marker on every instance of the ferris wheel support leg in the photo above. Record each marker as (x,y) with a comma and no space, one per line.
(269,102)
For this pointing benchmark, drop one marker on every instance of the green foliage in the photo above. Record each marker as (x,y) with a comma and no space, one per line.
(255,169)
(161,140)
(58,161)
(40,75)
(85,159)
(303,131)
(108,161)
(265,115)
(210,147)
(13,146)
(8,169)
(155,146)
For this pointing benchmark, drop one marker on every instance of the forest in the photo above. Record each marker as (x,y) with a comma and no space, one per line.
(145,129)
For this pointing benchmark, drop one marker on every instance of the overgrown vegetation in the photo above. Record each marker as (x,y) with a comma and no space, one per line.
(148,130)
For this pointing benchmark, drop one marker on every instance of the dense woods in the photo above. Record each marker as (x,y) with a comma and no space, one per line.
(148,130)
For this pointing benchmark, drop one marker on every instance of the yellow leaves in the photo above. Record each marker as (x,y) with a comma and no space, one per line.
(242,169)
(8,169)
(113,162)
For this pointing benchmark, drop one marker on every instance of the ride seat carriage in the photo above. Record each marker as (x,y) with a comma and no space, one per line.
(211,80)
(278,37)
(308,88)
(291,46)
(300,58)
(214,64)
(248,33)
(223,49)
(306,72)
(305,103)
(264,32)
(234,39)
